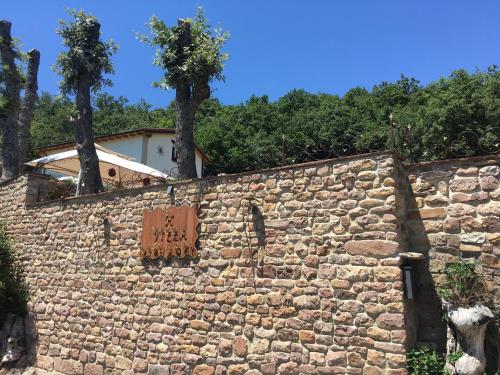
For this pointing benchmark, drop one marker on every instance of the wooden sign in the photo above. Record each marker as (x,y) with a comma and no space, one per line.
(169,233)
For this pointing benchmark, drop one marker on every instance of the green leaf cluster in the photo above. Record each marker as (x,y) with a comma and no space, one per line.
(464,285)
(455,356)
(84,53)
(202,60)
(425,361)
(51,122)
(454,117)
(13,291)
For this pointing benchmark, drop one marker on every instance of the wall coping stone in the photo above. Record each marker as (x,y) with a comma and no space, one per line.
(410,167)
(8,180)
(216,179)
(426,165)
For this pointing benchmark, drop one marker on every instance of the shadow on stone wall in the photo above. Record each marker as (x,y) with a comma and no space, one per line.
(18,342)
(492,348)
(17,327)
(430,325)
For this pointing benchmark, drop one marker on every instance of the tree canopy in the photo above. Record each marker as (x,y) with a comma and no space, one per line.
(84,51)
(455,116)
(201,60)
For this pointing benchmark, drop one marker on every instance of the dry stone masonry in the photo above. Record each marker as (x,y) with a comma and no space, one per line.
(298,269)
(454,211)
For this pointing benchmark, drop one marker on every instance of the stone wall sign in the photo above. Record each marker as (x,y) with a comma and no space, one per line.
(169,232)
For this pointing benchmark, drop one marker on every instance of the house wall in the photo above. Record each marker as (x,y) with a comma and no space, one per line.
(307,282)
(163,161)
(130,146)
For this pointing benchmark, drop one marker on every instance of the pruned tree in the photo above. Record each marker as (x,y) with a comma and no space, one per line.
(15,113)
(10,101)
(190,53)
(28,106)
(83,67)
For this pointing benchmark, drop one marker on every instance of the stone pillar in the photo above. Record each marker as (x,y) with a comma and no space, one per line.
(37,188)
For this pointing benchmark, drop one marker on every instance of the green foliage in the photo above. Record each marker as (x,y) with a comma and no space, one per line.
(457,116)
(249,136)
(455,356)
(464,285)
(203,60)
(424,361)
(13,291)
(86,52)
(61,189)
(114,115)
(51,123)
(444,316)
(51,120)
(315,126)
(69,184)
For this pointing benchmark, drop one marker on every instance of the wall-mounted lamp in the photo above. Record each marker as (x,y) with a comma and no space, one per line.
(408,266)
(409,281)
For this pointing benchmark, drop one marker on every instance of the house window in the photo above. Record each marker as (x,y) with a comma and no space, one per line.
(174,151)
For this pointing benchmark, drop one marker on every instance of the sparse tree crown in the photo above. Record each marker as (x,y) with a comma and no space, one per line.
(86,52)
(202,60)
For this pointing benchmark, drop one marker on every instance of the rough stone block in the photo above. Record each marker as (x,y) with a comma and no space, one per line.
(68,366)
(93,369)
(372,248)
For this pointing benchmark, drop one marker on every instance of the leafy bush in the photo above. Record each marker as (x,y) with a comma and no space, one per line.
(464,285)
(13,291)
(425,361)
(61,189)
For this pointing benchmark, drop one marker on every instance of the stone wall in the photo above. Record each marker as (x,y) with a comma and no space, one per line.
(299,270)
(454,211)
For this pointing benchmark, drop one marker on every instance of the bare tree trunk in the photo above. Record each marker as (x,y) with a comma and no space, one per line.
(26,114)
(188,98)
(184,140)
(84,138)
(10,106)
(89,162)
(184,116)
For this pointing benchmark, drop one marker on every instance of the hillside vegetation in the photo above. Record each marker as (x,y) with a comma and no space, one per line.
(455,116)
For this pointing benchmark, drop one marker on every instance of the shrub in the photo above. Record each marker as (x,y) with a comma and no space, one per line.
(425,361)
(464,285)
(13,291)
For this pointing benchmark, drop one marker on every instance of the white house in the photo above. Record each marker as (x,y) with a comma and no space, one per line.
(153,147)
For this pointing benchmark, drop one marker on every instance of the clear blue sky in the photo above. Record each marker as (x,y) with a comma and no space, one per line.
(275,46)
